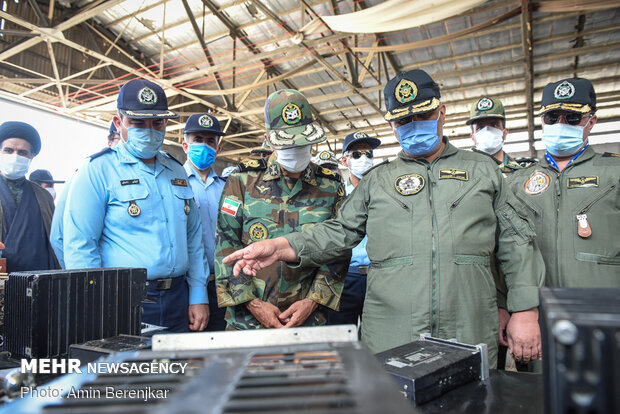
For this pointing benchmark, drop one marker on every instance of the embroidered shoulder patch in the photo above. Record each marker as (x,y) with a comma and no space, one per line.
(537,183)
(230,206)
(583,182)
(454,174)
(409,184)
(327,173)
(258,232)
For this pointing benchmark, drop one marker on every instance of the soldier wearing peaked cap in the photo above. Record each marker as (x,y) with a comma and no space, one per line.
(327,159)
(488,131)
(433,218)
(573,193)
(131,206)
(268,199)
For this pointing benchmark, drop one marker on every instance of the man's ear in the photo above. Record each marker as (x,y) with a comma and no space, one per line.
(185,145)
(506,131)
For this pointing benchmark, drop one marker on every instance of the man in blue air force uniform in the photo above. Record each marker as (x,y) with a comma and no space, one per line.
(131,206)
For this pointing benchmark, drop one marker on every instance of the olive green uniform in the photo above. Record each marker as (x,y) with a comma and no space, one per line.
(588,186)
(259,203)
(432,229)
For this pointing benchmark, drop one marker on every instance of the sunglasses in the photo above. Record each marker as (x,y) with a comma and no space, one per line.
(357,154)
(571,118)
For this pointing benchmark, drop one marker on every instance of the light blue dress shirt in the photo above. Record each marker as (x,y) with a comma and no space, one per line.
(207,195)
(56,236)
(100,232)
(359,256)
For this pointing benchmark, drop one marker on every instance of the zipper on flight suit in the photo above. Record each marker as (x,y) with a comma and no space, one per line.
(434,267)
(586,208)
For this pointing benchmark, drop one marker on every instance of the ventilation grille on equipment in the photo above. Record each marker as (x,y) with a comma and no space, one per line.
(292,382)
(46,311)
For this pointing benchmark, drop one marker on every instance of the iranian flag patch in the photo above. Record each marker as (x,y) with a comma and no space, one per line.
(230,206)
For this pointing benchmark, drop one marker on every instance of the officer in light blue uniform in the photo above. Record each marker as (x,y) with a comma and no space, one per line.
(131,206)
(358,157)
(202,134)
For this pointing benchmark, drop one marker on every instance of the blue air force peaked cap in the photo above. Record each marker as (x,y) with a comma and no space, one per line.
(143,99)
(411,92)
(203,123)
(359,136)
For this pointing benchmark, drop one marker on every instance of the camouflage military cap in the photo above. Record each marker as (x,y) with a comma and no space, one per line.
(289,121)
(486,108)
(325,158)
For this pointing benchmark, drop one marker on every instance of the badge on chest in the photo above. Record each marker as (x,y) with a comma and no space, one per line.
(409,184)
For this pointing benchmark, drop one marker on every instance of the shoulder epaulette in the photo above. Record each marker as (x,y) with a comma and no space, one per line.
(526,161)
(100,153)
(252,165)
(327,173)
(611,154)
(168,155)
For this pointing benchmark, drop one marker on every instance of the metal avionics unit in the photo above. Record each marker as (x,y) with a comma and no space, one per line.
(46,311)
(430,367)
(328,377)
(580,331)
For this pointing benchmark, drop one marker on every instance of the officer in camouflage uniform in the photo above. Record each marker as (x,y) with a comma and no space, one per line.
(488,131)
(327,159)
(271,198)
(264,151)
(573,193)
(433,217)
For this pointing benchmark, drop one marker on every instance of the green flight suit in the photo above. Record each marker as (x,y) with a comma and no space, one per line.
(256,204)
(432,229)
(589,185)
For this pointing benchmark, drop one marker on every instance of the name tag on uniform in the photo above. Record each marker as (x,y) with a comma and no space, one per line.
(179,181)
(130,182)
(583,182)
(454,174)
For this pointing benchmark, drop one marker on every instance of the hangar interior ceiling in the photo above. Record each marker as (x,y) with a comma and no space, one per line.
(227,56)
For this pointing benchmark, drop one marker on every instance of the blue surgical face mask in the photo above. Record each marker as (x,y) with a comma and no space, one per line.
(144,142)
(562,140)
(201,155)
(419,137)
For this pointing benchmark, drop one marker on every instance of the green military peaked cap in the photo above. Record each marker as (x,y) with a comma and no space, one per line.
(289,121)
(486,108)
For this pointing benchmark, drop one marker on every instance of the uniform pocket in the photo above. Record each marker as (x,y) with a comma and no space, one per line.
(257,229)
(597,258)
(515,220)
(130,201)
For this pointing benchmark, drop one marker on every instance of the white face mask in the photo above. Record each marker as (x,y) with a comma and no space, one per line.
(295,159)
(52,192)
(359,166)
(489,140)
(14,166)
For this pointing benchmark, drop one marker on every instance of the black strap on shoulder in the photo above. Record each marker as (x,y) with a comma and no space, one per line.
(100,153)
(252,165)
(168,155)
(610,154)
(327,173)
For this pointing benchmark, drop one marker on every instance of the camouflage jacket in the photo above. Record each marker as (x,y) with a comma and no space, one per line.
(509,165)
(258,204)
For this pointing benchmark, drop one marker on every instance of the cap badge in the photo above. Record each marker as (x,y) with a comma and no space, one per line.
(359,135)
(409,184)
(324,155)
(205,121)
(147,96)
(291,114)
(485,104)
(564,90)
(406,91)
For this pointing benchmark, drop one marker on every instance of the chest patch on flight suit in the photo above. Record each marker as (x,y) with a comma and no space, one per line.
(583,182)
(262,189)
(537,183)
(179,182)
(130,182)
(454,174)
(258,232)
(230,206)
(409,184)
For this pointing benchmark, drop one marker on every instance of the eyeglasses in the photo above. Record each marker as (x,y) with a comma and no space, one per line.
(357,154)
(571,118)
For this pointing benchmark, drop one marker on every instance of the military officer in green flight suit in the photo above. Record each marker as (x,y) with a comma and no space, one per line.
(433,217)
(573,193)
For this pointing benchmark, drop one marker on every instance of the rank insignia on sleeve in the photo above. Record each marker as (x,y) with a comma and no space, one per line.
(179,182)
(583,182)
(230,206)
(129,182)
(340,191)
(537,183)
(258,232)
(454,174)
(409,184)
(252,165)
